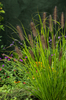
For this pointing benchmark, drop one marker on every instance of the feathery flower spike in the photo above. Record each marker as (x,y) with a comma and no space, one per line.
(50,23)
(43,41)
(30,39)
(20,33)
(62,20)
(60,55)
(44,20)
(32,55)
(55,14)
(53,42)
(33,29)
(18,51)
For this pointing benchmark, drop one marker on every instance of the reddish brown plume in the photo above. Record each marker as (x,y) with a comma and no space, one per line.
(55,14)
(44,20)
(62,20)
(44,42)
(33,29)
(60,55)
(53,42)
(50,23)
(30,39)
(18,52)
(32,55)
(20,33)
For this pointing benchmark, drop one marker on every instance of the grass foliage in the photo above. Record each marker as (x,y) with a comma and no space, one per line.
(43,73)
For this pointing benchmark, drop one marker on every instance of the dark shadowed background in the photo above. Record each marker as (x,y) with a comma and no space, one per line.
(23,9)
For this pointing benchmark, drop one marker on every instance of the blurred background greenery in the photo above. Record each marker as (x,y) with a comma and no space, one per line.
(22,10)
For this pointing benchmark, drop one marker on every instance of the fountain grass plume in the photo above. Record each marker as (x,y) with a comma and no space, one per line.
(50,23)
(20,32)
(33,29)
(18,52)
(55,15)
(32,54)
(53,42)
(43,41)
(50,60)
(44,20)
(62,20)
(30,39)
(60,55)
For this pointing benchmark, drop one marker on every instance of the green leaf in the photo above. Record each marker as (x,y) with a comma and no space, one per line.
(1,46)
(2,11)
(27,99)
(1,5)
(1,27)
(0,36)
(1,18)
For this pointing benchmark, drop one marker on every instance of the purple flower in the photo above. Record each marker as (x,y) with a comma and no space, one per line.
(25,56)
(65,36)
(50,39)
(4,48)
(0,58)
(2,65)
(59,37)
(11,55)
(20,43)
(6,57)
(11,44)
(51,54)
(21,60)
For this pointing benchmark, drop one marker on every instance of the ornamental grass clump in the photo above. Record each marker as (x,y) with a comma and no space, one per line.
(46,65)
